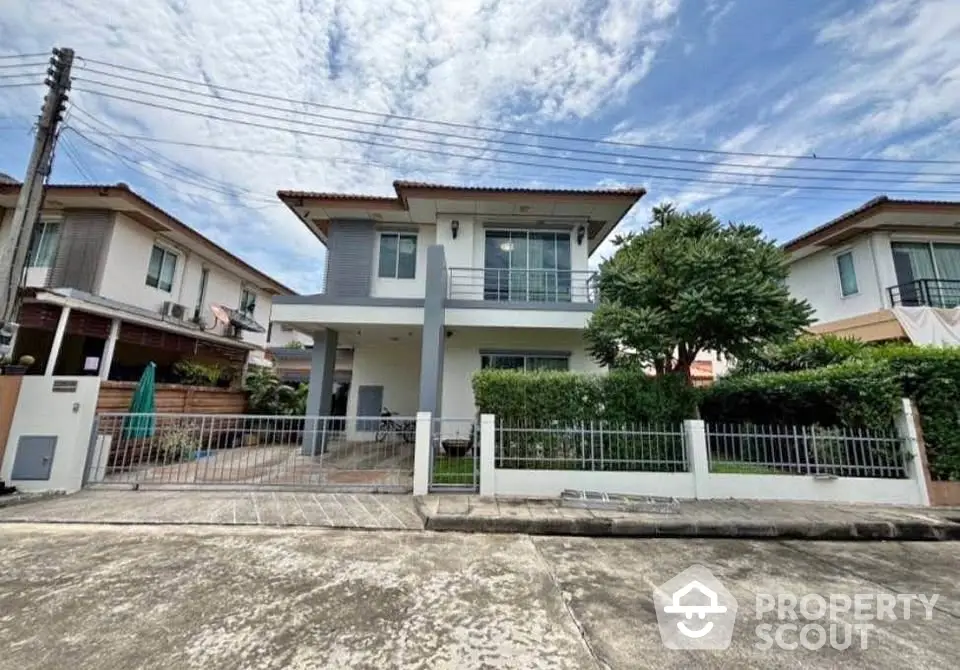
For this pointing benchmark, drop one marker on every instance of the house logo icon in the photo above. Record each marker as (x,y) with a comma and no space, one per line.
(695,611)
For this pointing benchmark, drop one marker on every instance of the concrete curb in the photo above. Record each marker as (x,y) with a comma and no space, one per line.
(902,530)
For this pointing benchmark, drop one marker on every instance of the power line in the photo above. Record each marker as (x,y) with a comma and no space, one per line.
(523,154)
(449,154)
(7,66)
(136,167)
(74,159)
(26,83)
(10,56)
(148,153)
(20,75)
(623,159)
(568,138)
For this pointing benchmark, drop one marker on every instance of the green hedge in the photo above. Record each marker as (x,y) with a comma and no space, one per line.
(852,393)
(931,376)
(857,394)
(621,397)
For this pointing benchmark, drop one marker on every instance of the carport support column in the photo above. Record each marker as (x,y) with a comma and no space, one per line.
(322,363)
(434,335)
(106,361)
(57,341)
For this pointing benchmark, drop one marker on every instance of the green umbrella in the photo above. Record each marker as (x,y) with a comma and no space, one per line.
(143,406)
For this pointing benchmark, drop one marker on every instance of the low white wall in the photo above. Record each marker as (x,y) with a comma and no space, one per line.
(551,483)
(797,487)
(68,416)
(700,483)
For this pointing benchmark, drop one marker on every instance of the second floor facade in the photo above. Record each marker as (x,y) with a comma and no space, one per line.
(109,242)
(492,249)
(883,255)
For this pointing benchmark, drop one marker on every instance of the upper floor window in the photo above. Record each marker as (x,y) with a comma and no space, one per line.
(525,362)
(527,266)
(43,244)
(163,266)
(248,302)
(848,275)
(398,256)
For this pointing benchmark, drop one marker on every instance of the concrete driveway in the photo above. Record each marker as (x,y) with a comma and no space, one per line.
(117,597)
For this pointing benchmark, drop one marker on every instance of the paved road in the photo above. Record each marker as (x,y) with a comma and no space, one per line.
(118,597)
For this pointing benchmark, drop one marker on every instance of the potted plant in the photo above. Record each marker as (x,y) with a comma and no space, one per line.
(23,364)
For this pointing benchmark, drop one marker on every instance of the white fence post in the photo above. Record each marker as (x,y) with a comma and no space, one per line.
(488,427)
(421,454)
(907,430)
(695,438)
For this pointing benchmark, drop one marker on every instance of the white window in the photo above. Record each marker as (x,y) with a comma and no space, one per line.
(163,265)
(248,302)
(848,275)
(524,361)
(398,256)
(43,244)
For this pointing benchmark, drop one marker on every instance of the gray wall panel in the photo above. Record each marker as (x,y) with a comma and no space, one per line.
(349,258)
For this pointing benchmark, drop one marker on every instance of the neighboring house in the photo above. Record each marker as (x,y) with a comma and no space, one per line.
(114,282)
(884,271)
(290,351)
(440,281)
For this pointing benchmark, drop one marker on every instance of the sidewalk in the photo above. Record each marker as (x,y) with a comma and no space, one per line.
(701,519)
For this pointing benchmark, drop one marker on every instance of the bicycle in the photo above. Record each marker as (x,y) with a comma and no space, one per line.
(406,430)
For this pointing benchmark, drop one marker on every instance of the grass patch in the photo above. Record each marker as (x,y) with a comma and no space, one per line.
(453,470)
(741,468)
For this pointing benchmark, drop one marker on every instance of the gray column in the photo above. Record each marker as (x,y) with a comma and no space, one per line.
(434,333)
(322,363)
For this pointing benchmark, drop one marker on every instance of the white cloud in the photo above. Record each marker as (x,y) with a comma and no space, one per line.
(524,62)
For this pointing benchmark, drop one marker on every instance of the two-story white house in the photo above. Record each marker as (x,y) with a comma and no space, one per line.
(114,282)
(433,284)
(887,270)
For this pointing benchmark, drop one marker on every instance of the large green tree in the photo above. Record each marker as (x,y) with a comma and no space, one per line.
(689,283)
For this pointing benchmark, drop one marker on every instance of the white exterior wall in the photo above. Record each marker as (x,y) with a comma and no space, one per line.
(403,288)
(125,277)
(462,358)
(279,337)
(817,280)
(395,367)
(66,415)
(125,269)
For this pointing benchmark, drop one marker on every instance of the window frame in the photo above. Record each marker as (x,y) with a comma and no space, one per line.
(527,356)
(40,234)
(166,252)
(856,282)
(244,291)
(399,234)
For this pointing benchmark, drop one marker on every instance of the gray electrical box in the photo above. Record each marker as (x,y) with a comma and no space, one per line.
(34,457)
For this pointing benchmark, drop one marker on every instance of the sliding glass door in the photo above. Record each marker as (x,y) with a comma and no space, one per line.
(527,266)
(926,273)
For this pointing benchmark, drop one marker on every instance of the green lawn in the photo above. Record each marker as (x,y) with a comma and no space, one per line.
(741,468)
(453,470)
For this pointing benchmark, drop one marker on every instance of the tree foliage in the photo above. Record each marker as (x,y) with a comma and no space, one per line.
(689,283)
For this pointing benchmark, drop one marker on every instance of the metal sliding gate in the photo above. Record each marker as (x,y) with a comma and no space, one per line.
(455,456)
(246,451)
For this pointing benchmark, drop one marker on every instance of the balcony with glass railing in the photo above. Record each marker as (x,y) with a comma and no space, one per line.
(499,285)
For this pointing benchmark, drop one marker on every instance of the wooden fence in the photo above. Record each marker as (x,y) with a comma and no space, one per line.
(174,399)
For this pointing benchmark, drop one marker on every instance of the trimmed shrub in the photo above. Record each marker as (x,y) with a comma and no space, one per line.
(804,353)
(857,394)
(931,376)
(621,397)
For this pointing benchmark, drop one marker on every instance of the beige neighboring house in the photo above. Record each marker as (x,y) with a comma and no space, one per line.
(114,282)
(887,270)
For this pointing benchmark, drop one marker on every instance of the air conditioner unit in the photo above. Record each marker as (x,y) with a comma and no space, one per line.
(173,310)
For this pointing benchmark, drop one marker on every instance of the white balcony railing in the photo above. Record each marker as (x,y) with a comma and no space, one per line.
(518,285)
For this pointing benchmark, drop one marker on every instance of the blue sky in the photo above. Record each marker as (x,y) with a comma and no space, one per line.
(873,79)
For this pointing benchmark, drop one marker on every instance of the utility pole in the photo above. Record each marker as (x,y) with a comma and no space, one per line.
(30,200)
